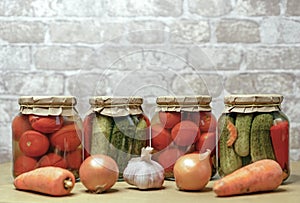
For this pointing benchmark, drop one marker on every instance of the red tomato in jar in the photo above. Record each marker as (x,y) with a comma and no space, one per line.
(52,159)
(169,119)
(208,122)
(185,133)
(24,164)
(160,137)
(33,143)
(168,157)
(20,124)
(206,141)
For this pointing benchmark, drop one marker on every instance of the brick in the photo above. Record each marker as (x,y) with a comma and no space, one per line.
(51,8)
(257,7)
(146,32)
(294,139)
(264,82)
(117,57)
(22,32)
(185,31)
(237,31)
(143,83)
(87,84)
(297,83)
(130,8)
(215,58)
(155,58)
(293,8)
(15,57)
(64,58)
(30,7)
(81,8)
(164,58)
(2,8)
(290,107)
(5,143)
(272,58)
(20,83)
(210,8)
(194,83)
(294,154)
(89,31)
(8,109)
(280,30)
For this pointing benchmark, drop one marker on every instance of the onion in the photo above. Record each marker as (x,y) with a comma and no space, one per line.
(193,171)
(98,173)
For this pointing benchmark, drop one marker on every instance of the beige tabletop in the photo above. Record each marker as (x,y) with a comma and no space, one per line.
(122,192)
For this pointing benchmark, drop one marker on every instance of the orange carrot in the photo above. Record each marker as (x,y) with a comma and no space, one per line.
(233,134)
(49,180)
(262,175)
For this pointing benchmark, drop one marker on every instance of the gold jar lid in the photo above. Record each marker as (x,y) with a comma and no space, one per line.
(116,106)
(48,105)
(184,103)
(249,103)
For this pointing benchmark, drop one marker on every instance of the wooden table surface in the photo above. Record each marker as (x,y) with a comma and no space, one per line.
(122,192)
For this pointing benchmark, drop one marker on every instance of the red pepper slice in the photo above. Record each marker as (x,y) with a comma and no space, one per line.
(280,141)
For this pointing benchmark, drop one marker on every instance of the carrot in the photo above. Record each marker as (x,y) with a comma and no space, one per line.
(262,175)
(49,180)
(233,134)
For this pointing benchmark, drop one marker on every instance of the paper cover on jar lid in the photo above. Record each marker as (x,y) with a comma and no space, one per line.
(249,103)
(116,106)
(48,105)
(184,103)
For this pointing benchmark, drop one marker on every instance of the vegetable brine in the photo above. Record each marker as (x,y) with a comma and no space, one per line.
(252,128)
(182,125)
(117,127)
(47,132)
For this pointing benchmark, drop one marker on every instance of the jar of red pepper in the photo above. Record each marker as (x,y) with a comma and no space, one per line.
(46,132)
(181,125)
(251,128)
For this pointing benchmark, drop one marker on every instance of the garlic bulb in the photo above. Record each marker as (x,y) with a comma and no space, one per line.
(143,172)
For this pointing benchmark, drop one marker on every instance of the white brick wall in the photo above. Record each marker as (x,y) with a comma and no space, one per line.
(148,48)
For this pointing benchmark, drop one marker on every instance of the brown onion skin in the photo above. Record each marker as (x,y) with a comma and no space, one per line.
(191,173)
(98,173)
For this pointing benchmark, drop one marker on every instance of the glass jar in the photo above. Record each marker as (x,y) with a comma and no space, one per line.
(117,127)
(251,128)
(181,125)
(47,132)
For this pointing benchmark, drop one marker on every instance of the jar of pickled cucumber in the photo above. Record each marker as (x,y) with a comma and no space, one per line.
(181,125)
(47,132)
(251,128)
(117,127)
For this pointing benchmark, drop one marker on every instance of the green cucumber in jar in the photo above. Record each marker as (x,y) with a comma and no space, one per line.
(260,140)
(140,136)
(243,125)
(102,129)
(229,160)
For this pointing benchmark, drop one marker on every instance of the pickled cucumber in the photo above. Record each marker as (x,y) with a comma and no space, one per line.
(229,159)
(243,126)
(260,140)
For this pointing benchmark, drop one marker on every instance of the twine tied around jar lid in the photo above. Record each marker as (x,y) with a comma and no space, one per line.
(249,103)
(116,106)
(184,103)
(48,105)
